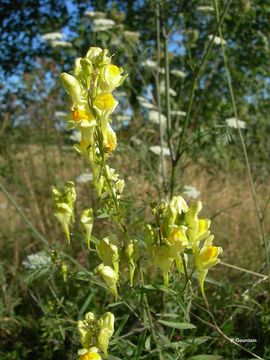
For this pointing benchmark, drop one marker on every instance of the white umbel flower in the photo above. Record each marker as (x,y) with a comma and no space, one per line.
(149,64)
(59,43)
(156,149)
(84,178)
(145,103)
(52,36)
(178,73)
(60,114)
(36,261)
(206,9)
(232,123)
(132,36)
(154,117)
(178,113)
(217,40)
(162,87)
(191,192)
(95,14)
(102,25)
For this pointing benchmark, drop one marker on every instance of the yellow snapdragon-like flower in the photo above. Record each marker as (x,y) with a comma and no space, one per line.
(87,221)
(110,142)
(163,258)
(112,77)
(108,253)
(90,356)
(110,276)
(95,334)
(205,258)
(79,115)
(64,197)
(104,102)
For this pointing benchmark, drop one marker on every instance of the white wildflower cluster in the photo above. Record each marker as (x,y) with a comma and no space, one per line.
(84,178)
(217,40)
(102,25)
(36,261)
(234,123)
(178,73)
(56,39)
(157,150)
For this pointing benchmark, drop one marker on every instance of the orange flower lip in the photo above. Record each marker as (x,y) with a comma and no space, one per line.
(209,253)
(79,115)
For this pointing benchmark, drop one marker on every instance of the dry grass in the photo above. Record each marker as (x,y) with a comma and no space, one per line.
(226,199)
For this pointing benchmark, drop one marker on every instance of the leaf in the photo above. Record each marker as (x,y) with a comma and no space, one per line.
(175,325)
(172,315)
(206,357)
(147,344)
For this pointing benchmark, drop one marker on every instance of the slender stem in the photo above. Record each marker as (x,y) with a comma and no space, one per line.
(149,316)
(260,216)
(28,223)
(168,108)
(195,80)
(215,327)
(264,277)
(161,135)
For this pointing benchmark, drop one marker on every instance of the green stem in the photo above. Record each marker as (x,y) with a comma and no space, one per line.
(149,317)
(195,80)
(259,213)
(168,109)
(28,223)
(161,135)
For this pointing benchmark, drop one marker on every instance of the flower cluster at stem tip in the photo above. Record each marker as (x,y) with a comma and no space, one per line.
(95,334)
(175,239)
(177,234)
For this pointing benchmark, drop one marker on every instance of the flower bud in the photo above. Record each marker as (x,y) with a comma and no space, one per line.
(87,221)
(106,332)
(108,253)
(163,258)
(111,141)
(191,218)
(73,87)
(149,236)
(131,252)
(110,277)
(93,53)
(64,197)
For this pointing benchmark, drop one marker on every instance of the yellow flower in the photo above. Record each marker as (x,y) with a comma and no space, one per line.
(110,144)
(162,256)
(106,332)
(105,102)
(207,257)
(108,253)
(64,197)
(73,88)
(112,77)
(110,277)
(79,115)
(90,356)
(87,221)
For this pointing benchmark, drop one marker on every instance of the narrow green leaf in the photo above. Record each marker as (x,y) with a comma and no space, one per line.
(206,357)
(175,325)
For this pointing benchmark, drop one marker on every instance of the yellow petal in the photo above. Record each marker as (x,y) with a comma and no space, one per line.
(78,115)
(211,252)
(104,101)
(90,356)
